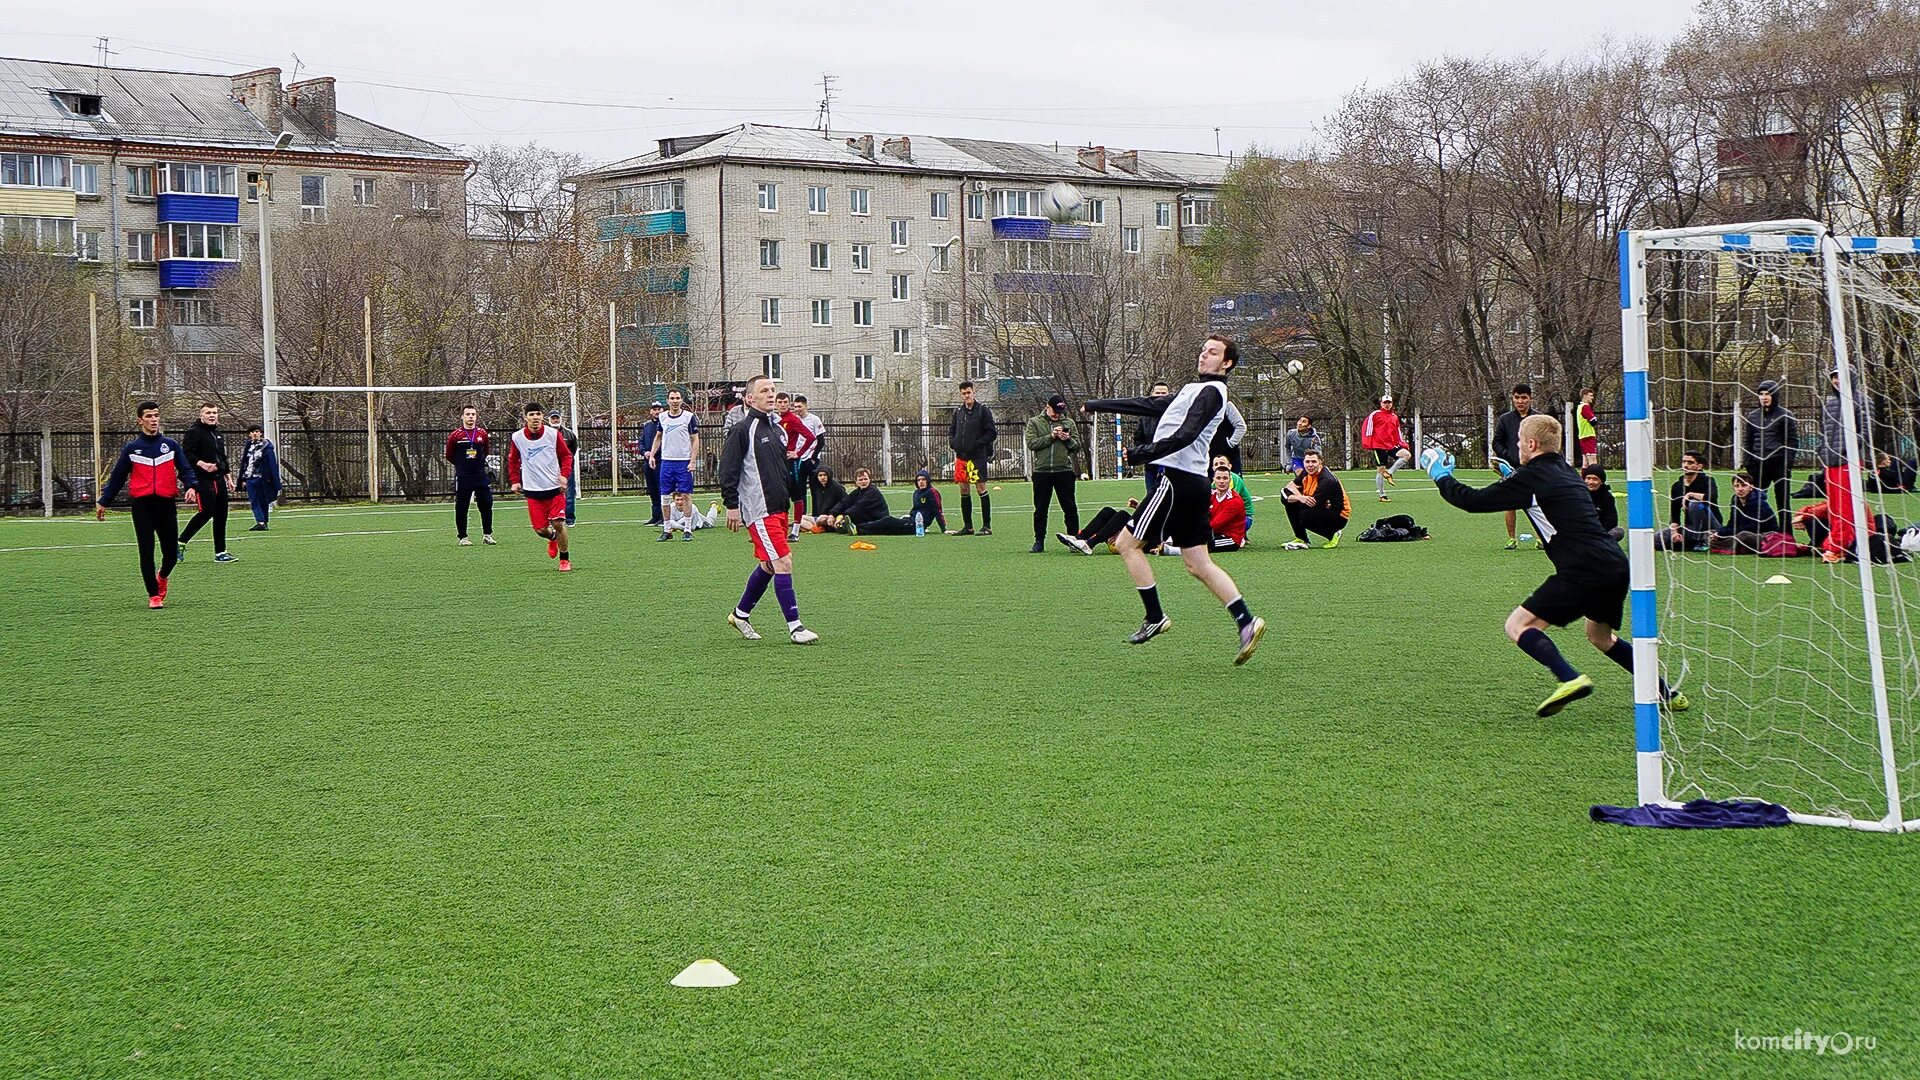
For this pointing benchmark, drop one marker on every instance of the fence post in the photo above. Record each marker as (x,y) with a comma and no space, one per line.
(1567,437)
(886,453)
(1027,451)
(1093,446)
(1490,422)
(1346,436)
(46,471)
(1419,435)
(1739,450)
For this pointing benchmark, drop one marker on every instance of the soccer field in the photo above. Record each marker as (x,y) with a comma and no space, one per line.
(368,804)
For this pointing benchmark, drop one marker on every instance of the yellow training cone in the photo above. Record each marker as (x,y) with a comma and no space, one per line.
(706,973)
(1779,579)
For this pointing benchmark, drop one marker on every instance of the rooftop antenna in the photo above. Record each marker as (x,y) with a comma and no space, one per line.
(823,117)
(99,70)
(1216,142)
(297,65)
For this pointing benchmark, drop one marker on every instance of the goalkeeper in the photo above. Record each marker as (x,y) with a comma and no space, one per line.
(1590,571)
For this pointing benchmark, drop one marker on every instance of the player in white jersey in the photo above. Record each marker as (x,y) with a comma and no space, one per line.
(1178,508)
(676,447)
(538,465)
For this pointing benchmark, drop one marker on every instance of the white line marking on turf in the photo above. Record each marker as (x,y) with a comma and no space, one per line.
(292,536)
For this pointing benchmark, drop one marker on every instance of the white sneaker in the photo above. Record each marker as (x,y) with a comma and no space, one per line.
(487,538)
(464,542)
(803,636)
(1293,545)
(746,628)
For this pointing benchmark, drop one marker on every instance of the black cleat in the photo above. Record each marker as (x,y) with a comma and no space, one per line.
(1150,630)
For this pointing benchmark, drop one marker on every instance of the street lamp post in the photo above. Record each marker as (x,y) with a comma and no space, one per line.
(269,401)
(926,368)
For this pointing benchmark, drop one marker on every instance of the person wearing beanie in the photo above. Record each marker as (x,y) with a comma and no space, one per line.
(1771,436)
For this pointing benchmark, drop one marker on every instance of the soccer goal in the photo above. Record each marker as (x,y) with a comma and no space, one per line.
(447,417)
(1802,672)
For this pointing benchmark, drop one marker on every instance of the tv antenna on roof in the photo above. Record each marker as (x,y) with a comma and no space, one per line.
(823,118)
(99,70)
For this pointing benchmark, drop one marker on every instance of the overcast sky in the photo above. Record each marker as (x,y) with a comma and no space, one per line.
(605,79)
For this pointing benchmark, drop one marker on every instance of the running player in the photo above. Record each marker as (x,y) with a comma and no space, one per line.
(1589,569)
(538,465)
(155,471)
(753,484)
(467,449)
(1178,509)
(1381,433)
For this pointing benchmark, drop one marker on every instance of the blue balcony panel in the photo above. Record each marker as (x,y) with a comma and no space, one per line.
(1057,231)
(662,335)
(1040,281)
(662,279)
(658,223)
(1020,228)
(192,273)
(212,209)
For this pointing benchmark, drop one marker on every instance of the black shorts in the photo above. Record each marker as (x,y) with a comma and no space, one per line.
(1178,510)
(979,472)
(1560,601)
(1383,458)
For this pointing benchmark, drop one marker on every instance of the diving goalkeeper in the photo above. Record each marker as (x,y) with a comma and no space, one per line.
(1590,575)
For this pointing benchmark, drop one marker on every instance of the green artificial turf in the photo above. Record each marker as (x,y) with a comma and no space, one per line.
(368,804)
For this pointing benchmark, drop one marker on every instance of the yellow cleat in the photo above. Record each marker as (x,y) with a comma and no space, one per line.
(1569,692)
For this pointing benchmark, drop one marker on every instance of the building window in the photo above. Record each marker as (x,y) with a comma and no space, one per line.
(1131,342)
(902,341)
(863,367)
(823,313)
(938,208)
(897,232)
(976,260)
(86,245)
(48,234)
(863,313)
(943,368)
(197,241)
(649,198)
(1009,202)
(937,258)
(937,313)
(1094,211)
(140,247)
(192,178)
(769,196)
(769,254)
(364,191)
(36,170)
(979,314)
(816,198)
(143,314)
(819,255)
(1130,239)
(1196,212)
(139,181)
(192,311)
(822,367)
(424,195)
(770,311)
(859,200)
(313,199)
(770,365)
(253,187)
(978,367)
(900,289)
(862,258)
(1163,215)
(1164,267)
(86,180)
(976,206)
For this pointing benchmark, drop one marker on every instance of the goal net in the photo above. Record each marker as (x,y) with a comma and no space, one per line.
(1802,672)
(343,442)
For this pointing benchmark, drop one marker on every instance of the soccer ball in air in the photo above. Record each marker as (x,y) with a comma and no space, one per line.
(1061,201)
(1295,367)
(1432,454)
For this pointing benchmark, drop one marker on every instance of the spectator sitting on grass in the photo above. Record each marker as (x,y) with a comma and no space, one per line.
(823,491)
(1240,489)
(926,503)
(1603,504)
(683,517)
(1692,515)
(1890,475)
(1316,503)
(864,509)
(1748,515)
(1101,530)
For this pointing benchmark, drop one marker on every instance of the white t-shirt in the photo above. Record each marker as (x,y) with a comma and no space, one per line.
(676,436)
(817,426)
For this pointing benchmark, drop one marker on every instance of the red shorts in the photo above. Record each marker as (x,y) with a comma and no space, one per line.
(769,537)
(1590,445)
(542,509)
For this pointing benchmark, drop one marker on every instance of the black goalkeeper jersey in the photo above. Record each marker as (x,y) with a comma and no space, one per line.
(1561,508)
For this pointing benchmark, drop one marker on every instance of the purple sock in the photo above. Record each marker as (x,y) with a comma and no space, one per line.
(756,588)
(790,607)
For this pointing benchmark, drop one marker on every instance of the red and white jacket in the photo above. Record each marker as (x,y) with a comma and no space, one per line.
(1381,431)
(1228,515)
(149,465)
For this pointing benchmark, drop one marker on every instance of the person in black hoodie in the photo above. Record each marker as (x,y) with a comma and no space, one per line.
(822,491)
(1772,436)
(213,479)
(971,435)
(1506,441)
(1590,577)
(863,509)
(1603,504)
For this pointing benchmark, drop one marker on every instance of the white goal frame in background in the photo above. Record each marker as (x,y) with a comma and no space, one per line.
(1811,239)
(373,393)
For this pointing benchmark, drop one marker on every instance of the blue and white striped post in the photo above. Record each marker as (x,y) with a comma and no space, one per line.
(1646,636)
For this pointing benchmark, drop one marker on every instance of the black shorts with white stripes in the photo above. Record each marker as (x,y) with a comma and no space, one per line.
(1176,511)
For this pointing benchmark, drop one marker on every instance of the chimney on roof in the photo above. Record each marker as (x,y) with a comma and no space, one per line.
(1127,161)
(260,92)
(312,102)
(901,148)
(862,146)
(1094,157)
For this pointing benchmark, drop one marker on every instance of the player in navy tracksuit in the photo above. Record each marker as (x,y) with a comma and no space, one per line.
(155,472)
(1590,577)
(467,447)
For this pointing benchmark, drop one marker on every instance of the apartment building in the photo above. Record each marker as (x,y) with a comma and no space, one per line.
(154,179)
(839,264)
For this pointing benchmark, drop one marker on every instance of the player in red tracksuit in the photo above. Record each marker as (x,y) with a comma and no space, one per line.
(1381,434)
(155,472)
(1227,513)
(800,442)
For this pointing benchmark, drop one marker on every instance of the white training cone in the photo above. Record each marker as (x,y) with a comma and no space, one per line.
(706,973)
(1779,579)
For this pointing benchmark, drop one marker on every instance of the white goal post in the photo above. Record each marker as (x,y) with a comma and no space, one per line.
(1802,673)
(373,414)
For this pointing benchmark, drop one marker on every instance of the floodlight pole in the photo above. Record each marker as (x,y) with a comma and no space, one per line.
(263,190)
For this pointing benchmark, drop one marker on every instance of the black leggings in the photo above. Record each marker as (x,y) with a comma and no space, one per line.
(1045,486)
(1774,472)
(213,507)
(886,526)
(155,517)
(1104,527)
(463,493)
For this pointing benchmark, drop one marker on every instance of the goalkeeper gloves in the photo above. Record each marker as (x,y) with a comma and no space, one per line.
(1441,465)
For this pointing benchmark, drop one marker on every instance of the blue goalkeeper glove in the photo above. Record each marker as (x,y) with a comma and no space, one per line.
(1441,465)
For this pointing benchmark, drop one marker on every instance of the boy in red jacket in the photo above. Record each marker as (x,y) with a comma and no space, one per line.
(1381,434)
(1227,513)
